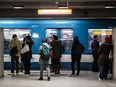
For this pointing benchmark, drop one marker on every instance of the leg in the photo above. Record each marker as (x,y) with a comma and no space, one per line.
(78,64)
(17,64)
(72,66)
(95,65)
(48,71)
(41,71)
(12,64)
(101,71)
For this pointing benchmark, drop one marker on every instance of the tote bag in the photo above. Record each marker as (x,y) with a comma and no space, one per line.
(25,49)
(110,55)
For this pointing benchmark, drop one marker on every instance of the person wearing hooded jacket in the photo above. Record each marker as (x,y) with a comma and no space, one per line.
(103,60)
(44,63)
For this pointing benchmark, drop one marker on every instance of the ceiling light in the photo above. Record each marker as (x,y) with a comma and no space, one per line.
(109,6)
(54,11)
(18,7)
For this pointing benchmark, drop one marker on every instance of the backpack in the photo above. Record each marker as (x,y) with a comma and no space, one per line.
(79,49)
(45,53)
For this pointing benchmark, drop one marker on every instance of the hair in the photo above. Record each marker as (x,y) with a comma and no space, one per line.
(44,40)
(14,35)
(95,36)
(75,40)
(55,37)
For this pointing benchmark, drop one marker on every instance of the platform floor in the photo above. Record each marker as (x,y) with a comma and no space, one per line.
(85,79)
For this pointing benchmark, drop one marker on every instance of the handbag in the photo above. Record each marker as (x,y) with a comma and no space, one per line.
(25,49)
(110,55)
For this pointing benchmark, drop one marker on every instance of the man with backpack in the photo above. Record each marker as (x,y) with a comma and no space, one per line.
(44,59)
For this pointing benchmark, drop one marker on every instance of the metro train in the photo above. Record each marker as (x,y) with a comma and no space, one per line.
(64,29)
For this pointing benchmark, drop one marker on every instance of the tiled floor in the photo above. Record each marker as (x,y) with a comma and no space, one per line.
(86,79)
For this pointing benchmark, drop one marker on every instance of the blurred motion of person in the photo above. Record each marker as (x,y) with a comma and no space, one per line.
(15,48)
(95,47)
(103,59)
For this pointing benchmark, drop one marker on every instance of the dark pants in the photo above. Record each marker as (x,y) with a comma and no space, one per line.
(56,66)
(103,70)
(95,59)
(27,65)
(14,64)
(78,64)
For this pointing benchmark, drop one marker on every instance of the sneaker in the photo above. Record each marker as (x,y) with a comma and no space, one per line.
(48,78)
(100,79)
(40,79)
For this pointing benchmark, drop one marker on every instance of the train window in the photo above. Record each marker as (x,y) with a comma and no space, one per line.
(8,35)
(102,33)
(65,35)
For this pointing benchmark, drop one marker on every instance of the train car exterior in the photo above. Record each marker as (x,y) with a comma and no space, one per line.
(65,29)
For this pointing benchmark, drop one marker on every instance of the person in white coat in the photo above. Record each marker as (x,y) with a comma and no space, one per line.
(44,63)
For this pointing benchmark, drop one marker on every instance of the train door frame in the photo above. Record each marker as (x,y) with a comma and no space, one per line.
(65,41)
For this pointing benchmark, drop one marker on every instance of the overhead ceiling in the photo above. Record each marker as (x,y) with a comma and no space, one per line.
(75,4)
(82,6)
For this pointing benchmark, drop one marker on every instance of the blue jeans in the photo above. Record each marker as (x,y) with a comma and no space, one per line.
(103,69)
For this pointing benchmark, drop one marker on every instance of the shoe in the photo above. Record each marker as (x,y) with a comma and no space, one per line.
(48,78)
(72,75)
(40,79)
(77,74)
(100,79)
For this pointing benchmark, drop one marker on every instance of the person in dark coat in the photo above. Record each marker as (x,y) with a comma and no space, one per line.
(56,49)
(26,57)
(95,47)
(76,56)
(103,60)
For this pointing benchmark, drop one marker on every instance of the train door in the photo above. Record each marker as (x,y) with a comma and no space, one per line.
(64,34)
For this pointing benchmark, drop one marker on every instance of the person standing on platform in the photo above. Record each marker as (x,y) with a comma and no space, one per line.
(26,57)
(76,53)
(103,59)
(44,60)
(95,47)
(15,48)
(57,54)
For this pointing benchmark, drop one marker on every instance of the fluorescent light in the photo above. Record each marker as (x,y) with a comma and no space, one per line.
(54,11)
(109,6)
(18,7)
(62,7)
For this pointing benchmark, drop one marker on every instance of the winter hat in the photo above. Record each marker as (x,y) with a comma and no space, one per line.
(107,39)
